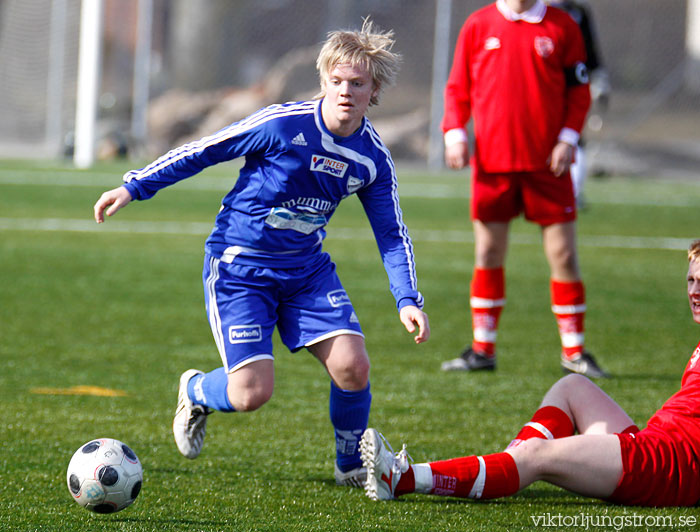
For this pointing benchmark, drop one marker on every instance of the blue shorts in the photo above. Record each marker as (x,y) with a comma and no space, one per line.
(244,303)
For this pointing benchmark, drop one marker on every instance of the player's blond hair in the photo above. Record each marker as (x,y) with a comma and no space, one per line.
(369,48)
(694,251)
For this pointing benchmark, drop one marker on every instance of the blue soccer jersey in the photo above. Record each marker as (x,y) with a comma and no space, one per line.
(296,173)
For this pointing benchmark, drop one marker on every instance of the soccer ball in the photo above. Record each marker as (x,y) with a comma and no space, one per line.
(104,476)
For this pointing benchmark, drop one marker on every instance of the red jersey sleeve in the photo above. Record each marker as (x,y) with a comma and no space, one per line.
(514,79)
(457,90)
(578,97)
(685,402)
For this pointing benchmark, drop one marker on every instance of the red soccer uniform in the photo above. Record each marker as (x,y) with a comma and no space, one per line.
(681,413)
(661,464)
(511,76)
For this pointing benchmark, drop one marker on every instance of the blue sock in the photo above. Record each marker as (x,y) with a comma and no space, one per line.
(349,415)
(210,390)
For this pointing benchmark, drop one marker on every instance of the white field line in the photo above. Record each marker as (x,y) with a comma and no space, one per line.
(407,190)
(89,226)
(335,233)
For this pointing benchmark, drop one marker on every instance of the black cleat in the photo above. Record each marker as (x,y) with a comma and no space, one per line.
(583,364)
(470,360)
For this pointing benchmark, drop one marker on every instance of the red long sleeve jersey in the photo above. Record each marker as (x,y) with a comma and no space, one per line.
(510,75)
(680,415)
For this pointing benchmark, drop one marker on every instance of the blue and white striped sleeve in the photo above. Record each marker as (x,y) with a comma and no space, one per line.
(238,139)
(381,203)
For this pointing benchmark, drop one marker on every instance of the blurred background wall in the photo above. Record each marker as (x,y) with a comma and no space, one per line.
(211,62)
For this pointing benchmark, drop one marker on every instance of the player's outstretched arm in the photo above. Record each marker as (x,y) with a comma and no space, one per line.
(412,317)
(112,200)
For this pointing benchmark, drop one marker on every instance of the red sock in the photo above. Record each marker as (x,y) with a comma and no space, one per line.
(632,429)
(569,308)
(487,300)
(406,484)
(548,423)
(477,477)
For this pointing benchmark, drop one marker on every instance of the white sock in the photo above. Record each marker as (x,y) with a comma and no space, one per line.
(424,478)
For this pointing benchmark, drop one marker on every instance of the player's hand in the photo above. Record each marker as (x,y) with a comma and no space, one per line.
(112,200)
(412,317)
(457,155)
(561,158)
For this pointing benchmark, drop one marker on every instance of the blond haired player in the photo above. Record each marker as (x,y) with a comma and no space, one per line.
(264,265)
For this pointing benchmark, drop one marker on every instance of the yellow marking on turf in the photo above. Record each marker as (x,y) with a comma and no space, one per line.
(81,390)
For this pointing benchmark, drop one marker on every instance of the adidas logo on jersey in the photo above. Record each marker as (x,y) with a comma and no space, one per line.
(299,140)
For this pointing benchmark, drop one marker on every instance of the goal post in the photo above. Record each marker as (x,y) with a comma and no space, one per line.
(441,67)
(692,40)
(89,69)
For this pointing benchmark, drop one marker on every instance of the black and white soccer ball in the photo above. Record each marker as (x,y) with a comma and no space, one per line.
(104,476)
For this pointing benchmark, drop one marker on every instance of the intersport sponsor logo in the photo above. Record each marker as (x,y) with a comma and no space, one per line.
(319,163)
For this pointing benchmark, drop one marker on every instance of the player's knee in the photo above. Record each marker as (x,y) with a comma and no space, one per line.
(575,388)
(569,390)
(249,399)
(574,381)
(533,446)
(565,260)
(578,380)
(353,373)
(489,256)
(532,454)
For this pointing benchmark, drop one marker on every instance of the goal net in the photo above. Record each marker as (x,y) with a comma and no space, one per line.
(38,64)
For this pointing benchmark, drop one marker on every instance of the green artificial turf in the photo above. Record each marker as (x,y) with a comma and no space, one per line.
(120,306)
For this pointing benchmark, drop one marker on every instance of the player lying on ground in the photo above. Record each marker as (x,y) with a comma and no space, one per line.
(264,263)
(608,459)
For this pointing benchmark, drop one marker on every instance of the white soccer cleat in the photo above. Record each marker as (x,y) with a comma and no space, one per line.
(190,420)
(384,468)
(355,478)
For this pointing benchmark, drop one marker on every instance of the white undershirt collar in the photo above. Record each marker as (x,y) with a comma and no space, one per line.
(534,15)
